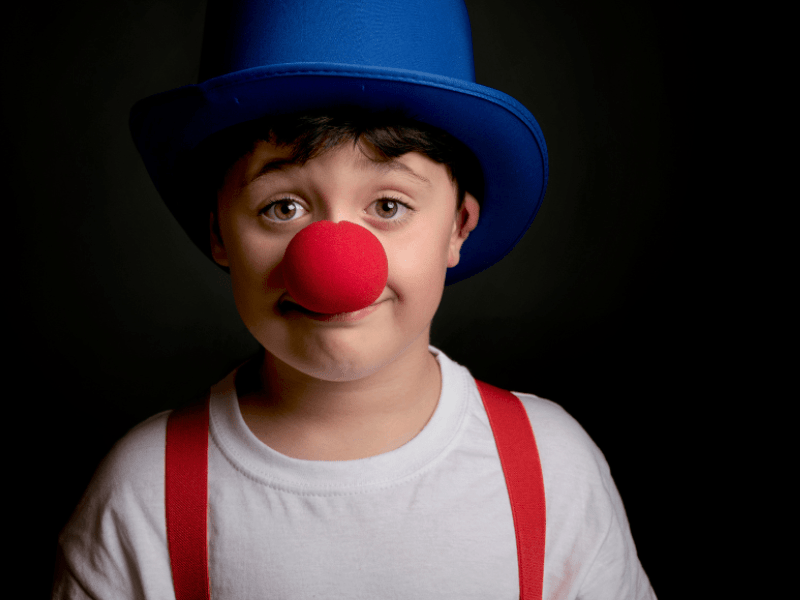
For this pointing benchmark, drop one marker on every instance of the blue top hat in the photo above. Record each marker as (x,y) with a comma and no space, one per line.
(264,57)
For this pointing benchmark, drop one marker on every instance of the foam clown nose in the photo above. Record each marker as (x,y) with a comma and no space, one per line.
(334,268)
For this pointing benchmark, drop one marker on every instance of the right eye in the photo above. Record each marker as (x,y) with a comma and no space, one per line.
(284,210)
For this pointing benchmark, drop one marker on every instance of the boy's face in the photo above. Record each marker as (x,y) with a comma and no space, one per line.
(409,203)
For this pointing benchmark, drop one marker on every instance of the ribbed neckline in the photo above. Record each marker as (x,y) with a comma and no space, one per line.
(260,462)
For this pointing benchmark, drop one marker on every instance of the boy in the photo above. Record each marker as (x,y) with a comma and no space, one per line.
(348,459)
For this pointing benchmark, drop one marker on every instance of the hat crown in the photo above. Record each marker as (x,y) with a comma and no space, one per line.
(428,36)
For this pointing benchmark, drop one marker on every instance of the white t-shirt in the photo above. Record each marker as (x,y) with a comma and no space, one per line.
(428,520)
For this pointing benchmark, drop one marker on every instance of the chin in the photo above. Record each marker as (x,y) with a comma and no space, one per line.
(342,356)
(340,367)
(335,356)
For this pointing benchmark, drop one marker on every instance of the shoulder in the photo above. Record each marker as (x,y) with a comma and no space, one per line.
(579,488)
(135,465)
(129,479)
(115,542)
(578,481)
(586,520)
(560,438)
(577,477)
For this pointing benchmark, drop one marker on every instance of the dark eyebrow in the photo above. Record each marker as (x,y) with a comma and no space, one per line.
(278,164)
(395,165)
(282,164)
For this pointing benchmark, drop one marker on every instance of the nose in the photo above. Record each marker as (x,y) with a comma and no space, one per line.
(333,268)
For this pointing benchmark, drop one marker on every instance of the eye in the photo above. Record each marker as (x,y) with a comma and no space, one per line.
(390,209)
(283,210)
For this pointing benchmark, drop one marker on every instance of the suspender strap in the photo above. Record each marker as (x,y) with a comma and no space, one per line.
(186,499)
(523,472)
(186,492)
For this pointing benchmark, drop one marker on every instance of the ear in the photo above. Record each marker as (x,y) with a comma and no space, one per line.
(218,252)
(466,221)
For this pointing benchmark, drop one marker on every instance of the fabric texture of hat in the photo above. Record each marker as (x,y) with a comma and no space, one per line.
(271,57)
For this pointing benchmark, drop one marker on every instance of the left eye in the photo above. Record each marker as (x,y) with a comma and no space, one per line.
(388,208)
(283,210)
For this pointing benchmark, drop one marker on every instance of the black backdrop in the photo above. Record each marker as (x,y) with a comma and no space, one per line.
(115,316)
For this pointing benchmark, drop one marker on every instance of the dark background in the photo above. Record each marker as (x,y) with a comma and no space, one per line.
(116,316)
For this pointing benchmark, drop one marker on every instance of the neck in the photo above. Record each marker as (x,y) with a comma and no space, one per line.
(304,417)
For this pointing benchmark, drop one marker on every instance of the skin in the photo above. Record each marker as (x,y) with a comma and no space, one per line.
(366,383)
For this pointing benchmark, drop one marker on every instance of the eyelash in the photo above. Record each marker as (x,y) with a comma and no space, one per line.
(391,222)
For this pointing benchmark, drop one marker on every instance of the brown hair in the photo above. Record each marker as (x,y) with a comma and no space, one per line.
(387,135)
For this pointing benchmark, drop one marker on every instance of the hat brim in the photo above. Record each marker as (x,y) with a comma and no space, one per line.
(503,135)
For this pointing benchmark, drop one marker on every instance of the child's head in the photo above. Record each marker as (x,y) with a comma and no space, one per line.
(399,180)
(355,110)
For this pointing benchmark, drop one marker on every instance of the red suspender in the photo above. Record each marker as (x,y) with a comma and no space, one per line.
(186,500)
(186,492)
(523,471)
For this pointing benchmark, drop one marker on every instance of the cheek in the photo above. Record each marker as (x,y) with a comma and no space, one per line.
(418,267)
(251,252)
(254,271)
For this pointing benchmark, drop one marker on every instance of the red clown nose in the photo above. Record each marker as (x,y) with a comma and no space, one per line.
(335,268)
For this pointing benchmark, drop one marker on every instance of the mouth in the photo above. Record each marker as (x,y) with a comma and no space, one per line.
(290,309)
